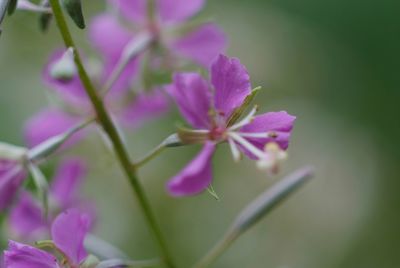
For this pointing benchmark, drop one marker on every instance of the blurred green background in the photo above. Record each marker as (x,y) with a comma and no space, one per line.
(334,64)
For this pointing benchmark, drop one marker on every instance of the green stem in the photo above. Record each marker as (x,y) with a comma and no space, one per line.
(150,156)
(171,141)
(111,131)
(219,248)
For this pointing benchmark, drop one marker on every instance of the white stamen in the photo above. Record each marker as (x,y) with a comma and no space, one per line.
(246,120)
(254,135)
(235,150)
(199,131)
(254,150)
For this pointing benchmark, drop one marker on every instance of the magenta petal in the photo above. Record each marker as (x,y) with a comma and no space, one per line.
(11,177)
(49,123)
(26,217)
(109,37)
(68,232)
(23,256)
(281,123)
(134,10)
(231,82)
(193,97)
(71,91)
(178,10)
(144,107)
(67,181)
(196,176)
(202,45)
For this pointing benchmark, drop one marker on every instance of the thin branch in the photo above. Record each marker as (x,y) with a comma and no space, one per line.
(105,121)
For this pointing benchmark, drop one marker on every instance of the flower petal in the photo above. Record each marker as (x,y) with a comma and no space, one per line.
(67,181)
(231,82)
(109,37)
(145,106)
(203,45)
(178,10)
(281,123)
(26,217)
(68,232)
(196,176)
(193,97)
(23,256)
(72,90)
(49,123)
(11,177)
(134,10)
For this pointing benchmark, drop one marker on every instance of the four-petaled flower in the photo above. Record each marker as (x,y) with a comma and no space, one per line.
(200,44)
(26,217)
(129,109)
(68,232)
(212,110)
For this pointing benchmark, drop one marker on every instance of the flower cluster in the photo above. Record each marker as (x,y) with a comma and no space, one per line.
(148,51)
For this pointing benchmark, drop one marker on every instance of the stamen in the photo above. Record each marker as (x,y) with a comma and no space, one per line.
(235,150)
(254,150)
(246,120)
(199,131)
(257,135)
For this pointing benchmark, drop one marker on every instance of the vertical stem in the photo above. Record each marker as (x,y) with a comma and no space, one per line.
(108,126)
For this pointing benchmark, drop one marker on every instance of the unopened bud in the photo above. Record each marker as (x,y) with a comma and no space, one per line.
(64,69)
(12,152)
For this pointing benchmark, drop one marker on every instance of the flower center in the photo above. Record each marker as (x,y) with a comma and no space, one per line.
(217,133)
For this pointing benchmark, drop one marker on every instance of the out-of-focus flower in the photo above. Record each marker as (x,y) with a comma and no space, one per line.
(27,217)
(213,109)
(201,43)
(68,232)
(12,174)
(67,85)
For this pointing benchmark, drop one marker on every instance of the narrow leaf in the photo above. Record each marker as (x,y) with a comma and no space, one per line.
(41,186)
(237,113)
(74,10)
(45,18)
(270,199)
(12,6)
(3,9)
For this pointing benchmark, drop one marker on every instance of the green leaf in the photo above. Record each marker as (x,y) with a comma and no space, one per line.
(12,6)
(3,9)
(74,10)
(44,22)
(237,113)
(41,185)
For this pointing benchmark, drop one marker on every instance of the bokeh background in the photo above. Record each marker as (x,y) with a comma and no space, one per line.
(334,64)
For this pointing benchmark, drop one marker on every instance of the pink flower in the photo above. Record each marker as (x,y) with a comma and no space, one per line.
(201,44)
(209,107)
(68,232)
(12,174)
(53,121)
(26,217)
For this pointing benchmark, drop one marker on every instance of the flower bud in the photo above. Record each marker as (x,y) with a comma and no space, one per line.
(64,69)
(11,152)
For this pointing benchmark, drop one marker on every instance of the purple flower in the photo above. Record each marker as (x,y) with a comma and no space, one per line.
(12,174)
(26,217)
(201,44)
(68,232)
(211,108)
(53,121)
